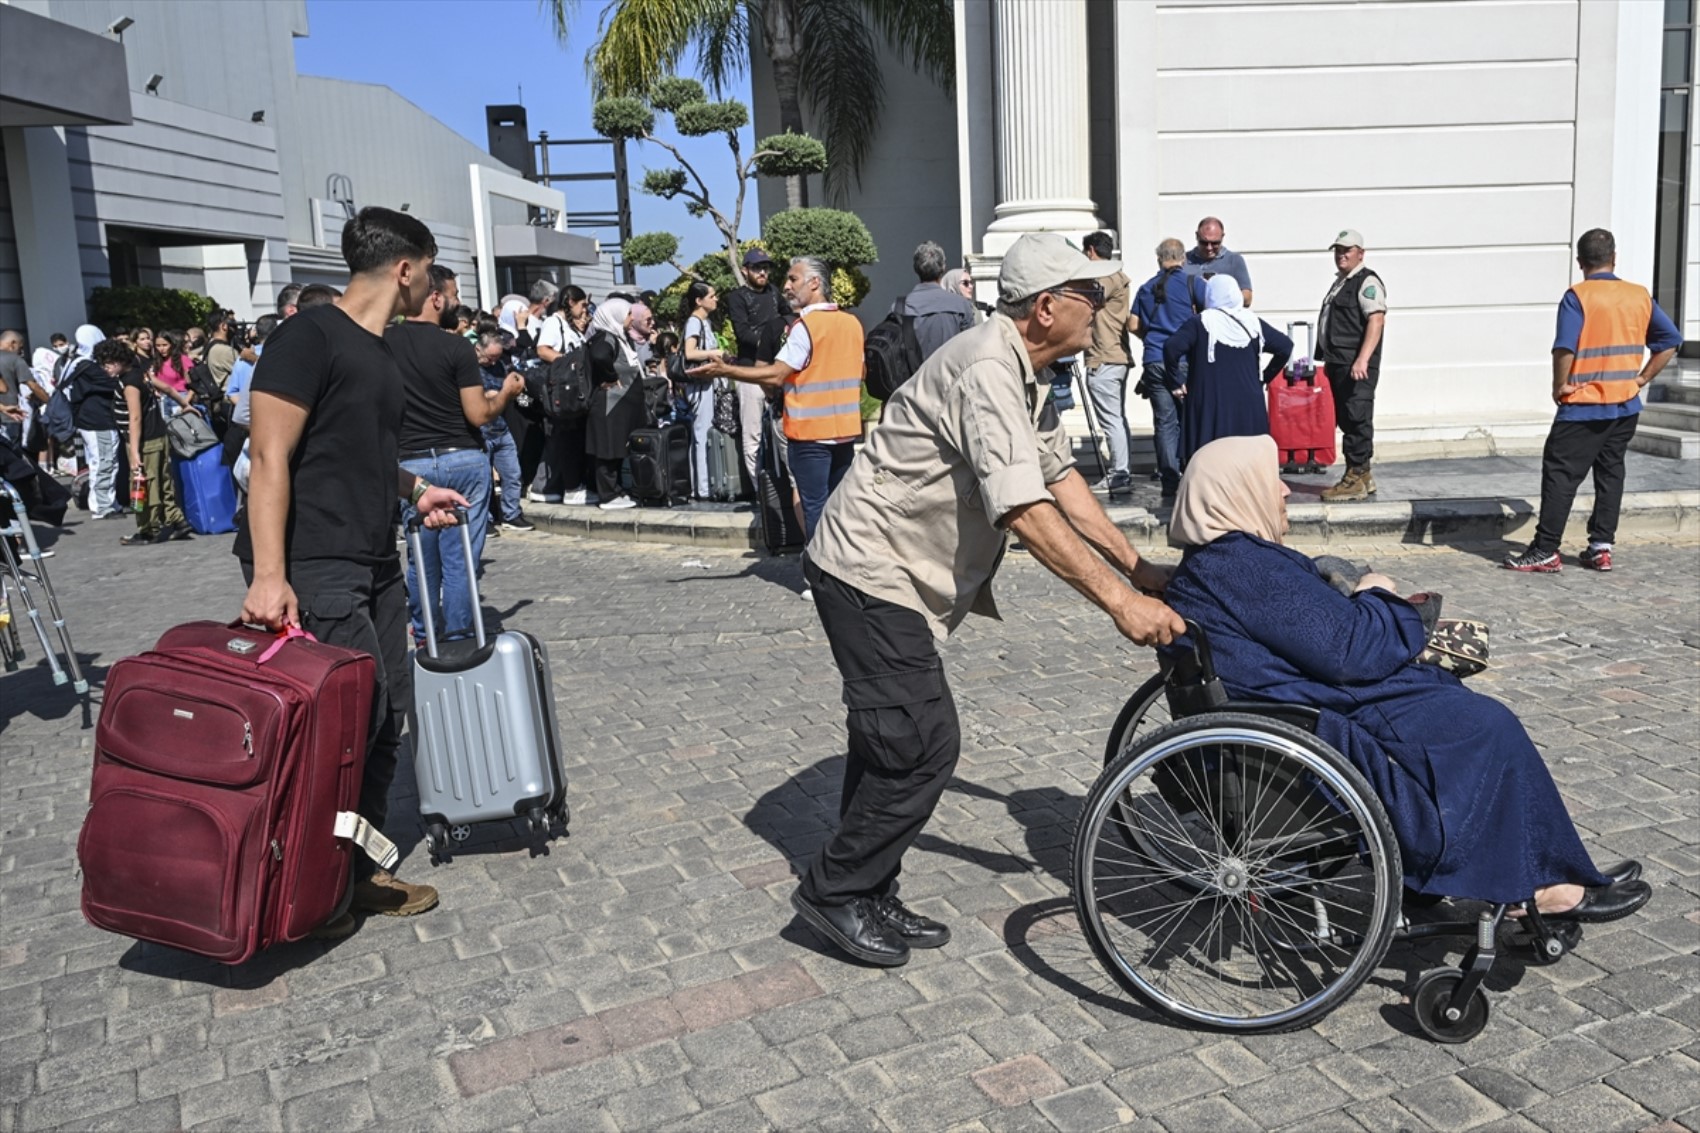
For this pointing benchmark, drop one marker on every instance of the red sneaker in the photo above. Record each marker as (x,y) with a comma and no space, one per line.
(1596,558)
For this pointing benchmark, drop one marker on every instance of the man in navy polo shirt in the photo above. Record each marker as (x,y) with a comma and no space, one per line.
(1606,326)
(1163,303)
(1212,257)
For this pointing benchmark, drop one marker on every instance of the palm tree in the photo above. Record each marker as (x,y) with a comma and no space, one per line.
(832,42)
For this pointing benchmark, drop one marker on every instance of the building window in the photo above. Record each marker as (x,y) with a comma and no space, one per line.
(1675,110)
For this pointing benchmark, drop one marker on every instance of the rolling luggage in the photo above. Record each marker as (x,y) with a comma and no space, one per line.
(725,467)
(661,464)
(206,491)
(1301,409)
(227,768)
(486,745)
(780,530)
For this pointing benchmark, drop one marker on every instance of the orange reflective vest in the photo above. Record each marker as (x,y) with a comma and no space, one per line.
(1612,345)
(823,400)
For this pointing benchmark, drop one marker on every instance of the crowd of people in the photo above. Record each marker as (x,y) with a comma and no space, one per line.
(345,409)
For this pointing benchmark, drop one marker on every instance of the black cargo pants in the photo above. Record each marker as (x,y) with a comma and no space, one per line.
(904,739)
(365,608)
(1354,411)
(1574,448)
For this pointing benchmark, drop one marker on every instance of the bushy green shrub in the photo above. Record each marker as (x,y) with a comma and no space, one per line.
(699,119)
(671,92)
(647,249)
(664,183)
(838,237)
(159,308)
(622,118)
(796,155)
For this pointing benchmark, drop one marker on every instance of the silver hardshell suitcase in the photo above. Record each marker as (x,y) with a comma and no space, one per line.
(725,467)
(486,743)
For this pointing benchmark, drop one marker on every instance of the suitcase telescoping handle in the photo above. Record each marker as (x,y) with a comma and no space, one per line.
(416,550)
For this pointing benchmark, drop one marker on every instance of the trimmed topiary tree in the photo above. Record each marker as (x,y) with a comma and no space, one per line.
(838,237)
(782,155)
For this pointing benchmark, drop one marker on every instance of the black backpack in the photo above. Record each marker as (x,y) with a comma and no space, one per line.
(567,389)
(891,353)
(210,398)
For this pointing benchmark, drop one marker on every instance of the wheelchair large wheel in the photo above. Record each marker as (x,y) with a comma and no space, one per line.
(1146,710)
(1273,890)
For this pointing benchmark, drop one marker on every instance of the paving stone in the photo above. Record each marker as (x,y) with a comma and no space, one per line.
(1158,1085)
(1448,1104)
(1664,1085)
(1594,1107)
(1085,1108)
(341,1107)
(1019,1080)
(1565,1062)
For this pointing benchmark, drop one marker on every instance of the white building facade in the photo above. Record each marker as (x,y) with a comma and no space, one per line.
(1470,141)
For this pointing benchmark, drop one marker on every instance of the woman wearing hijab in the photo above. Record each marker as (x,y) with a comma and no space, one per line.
(616,405)
(1223,395)
(1474,810)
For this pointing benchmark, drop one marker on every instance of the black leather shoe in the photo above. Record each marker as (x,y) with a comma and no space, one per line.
(917,931)
(1629,870)
(856,928)
(1601,903)
(182,530)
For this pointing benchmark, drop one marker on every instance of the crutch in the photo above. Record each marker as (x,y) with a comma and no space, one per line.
(37,572)
(1100,445)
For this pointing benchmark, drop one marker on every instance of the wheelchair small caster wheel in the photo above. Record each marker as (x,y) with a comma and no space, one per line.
(1441,1019)
(460,833)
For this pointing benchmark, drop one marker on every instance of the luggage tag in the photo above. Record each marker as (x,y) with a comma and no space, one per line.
(363,834)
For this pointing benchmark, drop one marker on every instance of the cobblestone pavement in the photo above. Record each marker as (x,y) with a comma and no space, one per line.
(647,973)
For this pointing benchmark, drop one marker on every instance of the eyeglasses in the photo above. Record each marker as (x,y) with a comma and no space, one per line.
(1093,293)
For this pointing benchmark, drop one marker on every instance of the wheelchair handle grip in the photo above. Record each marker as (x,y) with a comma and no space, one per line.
(1201,648)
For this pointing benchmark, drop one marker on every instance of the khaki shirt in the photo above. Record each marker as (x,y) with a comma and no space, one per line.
(1109,325)
(970,437)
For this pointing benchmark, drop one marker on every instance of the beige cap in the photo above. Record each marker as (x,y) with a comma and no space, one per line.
(1348,238)
(1040,261)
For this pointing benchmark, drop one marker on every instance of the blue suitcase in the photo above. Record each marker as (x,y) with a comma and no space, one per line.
(207,492)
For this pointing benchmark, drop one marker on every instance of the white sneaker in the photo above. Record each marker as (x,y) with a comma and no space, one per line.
(546,498)
(578,498)
(808,594)
(618,503)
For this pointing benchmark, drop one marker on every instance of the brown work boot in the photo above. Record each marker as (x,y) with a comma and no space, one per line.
(1356,484)
(388,895)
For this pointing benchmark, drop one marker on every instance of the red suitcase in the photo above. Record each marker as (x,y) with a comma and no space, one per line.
(222,760)
(1301,419)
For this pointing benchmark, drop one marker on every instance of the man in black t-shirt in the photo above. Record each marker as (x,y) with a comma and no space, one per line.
(441,441)
(759,315)
(317,538)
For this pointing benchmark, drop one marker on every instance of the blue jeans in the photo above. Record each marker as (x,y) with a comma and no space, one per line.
(504,458)
(1167,423)
(816,469)
(467,471)
(1106,385)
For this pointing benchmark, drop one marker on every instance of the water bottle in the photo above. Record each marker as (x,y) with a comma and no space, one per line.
(138,491)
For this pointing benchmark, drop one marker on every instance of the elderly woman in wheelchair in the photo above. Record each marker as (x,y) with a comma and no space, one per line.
(1243,866)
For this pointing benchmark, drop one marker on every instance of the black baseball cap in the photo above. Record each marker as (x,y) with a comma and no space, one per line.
(756,256)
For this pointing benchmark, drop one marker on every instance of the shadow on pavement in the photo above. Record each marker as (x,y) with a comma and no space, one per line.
(783,571)
(31,692)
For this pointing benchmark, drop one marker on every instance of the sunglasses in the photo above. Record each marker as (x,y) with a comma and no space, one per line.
(1093,293)
(1209,243)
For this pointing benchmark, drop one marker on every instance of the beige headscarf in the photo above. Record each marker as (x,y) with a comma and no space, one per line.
(1233,484)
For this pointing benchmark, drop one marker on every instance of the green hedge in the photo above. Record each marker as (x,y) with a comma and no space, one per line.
(158,308)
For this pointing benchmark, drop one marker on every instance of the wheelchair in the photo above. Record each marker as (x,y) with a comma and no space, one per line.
(1234,872)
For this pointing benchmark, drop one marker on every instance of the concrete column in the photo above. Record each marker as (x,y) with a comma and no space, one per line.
(1043,161)
(49,261)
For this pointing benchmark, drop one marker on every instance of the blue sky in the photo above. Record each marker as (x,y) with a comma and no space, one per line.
(452,57)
